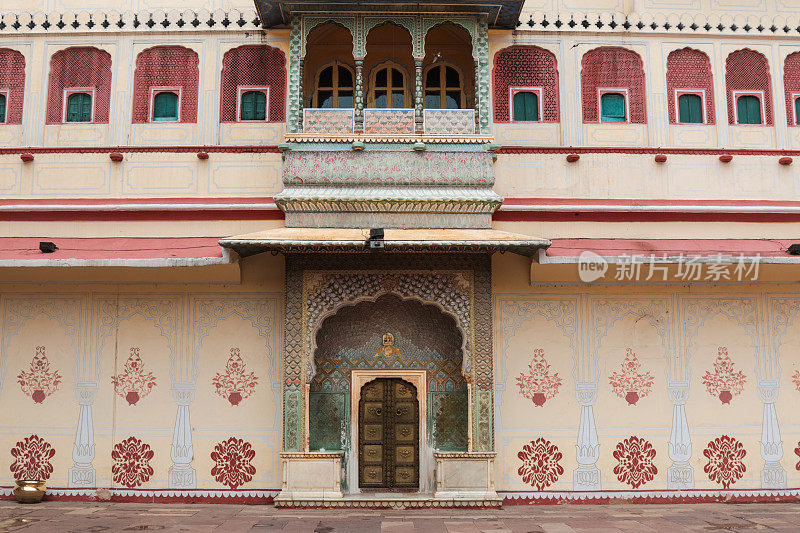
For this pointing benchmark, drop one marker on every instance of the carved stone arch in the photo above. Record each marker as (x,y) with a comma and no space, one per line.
(466,352)
(466,23)
(310,24)
(408,23)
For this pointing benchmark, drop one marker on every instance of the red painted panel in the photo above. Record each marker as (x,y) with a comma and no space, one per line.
(525,66)
(791,84)
(12,79)
(85,67)
(253,66)
(689,69)
(612,67)
(748,70)
(166,66)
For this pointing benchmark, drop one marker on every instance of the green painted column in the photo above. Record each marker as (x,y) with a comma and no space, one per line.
(359,95)
(418,95)
(295,97)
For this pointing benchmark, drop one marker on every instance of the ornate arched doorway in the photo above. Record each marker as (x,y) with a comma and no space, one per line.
(384,339)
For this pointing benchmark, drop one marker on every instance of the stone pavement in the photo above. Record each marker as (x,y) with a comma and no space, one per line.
(71,517)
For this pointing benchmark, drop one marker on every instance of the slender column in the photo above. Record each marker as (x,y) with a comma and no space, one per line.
(773,476)
(359,95)
(82,473)
(181,474)
(587,475)
(680,475)
(300,95)
(294,94)
(477,103)
(418,95)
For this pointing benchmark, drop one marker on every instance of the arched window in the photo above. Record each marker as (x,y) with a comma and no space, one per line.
(79,107)
(748,109)
(443,89)
(526,106)
(612,107)
(796,111)
(334,86)
(388,87)
(690,109)
(2,109)
(253,106)
(165,106)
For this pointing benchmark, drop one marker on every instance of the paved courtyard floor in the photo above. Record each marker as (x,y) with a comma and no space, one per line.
(59,517)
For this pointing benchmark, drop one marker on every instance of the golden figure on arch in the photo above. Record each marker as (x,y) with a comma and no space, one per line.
(388,349)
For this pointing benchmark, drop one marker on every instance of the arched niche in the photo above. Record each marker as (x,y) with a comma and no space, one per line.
(425,337)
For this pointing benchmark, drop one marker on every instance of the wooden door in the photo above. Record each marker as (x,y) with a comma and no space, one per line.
(388,435)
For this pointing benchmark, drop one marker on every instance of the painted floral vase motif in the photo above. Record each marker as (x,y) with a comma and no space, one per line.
(234,384)
(724,382)
(796,379)
(39,382)
(797,453)
(629,383)
(133,383)
(725,460)
(538,384)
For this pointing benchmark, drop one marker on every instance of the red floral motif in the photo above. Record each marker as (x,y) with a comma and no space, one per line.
(134,383)
(232,462)
(234,384)
(724,382)
(796,379)
(32,458)
(40,382)
(629,383)
(131,462)
(725,465)
(634,458)
(540,466)
(797,453)
(538,384)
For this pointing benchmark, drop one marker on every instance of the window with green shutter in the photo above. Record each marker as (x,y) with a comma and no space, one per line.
(612,107)
(79,107)
(2,109)
(690,109)
(526,106)
(796,111)
(253,106)
(165,107)
(748,109)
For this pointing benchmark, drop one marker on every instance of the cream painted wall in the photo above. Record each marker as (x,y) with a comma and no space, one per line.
(676,333)
(184,335)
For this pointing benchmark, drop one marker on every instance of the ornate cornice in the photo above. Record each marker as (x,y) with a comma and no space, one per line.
(112,21)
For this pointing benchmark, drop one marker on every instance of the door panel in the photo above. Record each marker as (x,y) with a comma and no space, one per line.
(388,435)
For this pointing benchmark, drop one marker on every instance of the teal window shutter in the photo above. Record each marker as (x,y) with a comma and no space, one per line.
(526,106)
(165,107)
(253,106)
(79,107)
(612,107)
(748,109)
(796,111)
(2,109)
(690,109)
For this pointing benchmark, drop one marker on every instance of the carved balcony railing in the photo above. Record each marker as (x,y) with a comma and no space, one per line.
(329,121)
(388,125)
(449,121)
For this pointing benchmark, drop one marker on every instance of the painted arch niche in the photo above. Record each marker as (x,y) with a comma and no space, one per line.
(423,337)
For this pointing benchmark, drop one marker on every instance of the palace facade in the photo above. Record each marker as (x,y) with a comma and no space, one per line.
(389,254)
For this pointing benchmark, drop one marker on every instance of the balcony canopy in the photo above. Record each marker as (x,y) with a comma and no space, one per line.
(501,13)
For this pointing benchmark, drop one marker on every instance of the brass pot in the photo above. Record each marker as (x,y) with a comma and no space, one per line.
(29,490)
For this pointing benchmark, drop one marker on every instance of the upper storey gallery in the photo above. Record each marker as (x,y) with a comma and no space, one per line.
(346,74)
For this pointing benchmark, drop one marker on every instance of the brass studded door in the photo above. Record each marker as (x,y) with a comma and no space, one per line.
(388,435)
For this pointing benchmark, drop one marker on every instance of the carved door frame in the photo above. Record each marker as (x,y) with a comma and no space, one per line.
(418,378)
